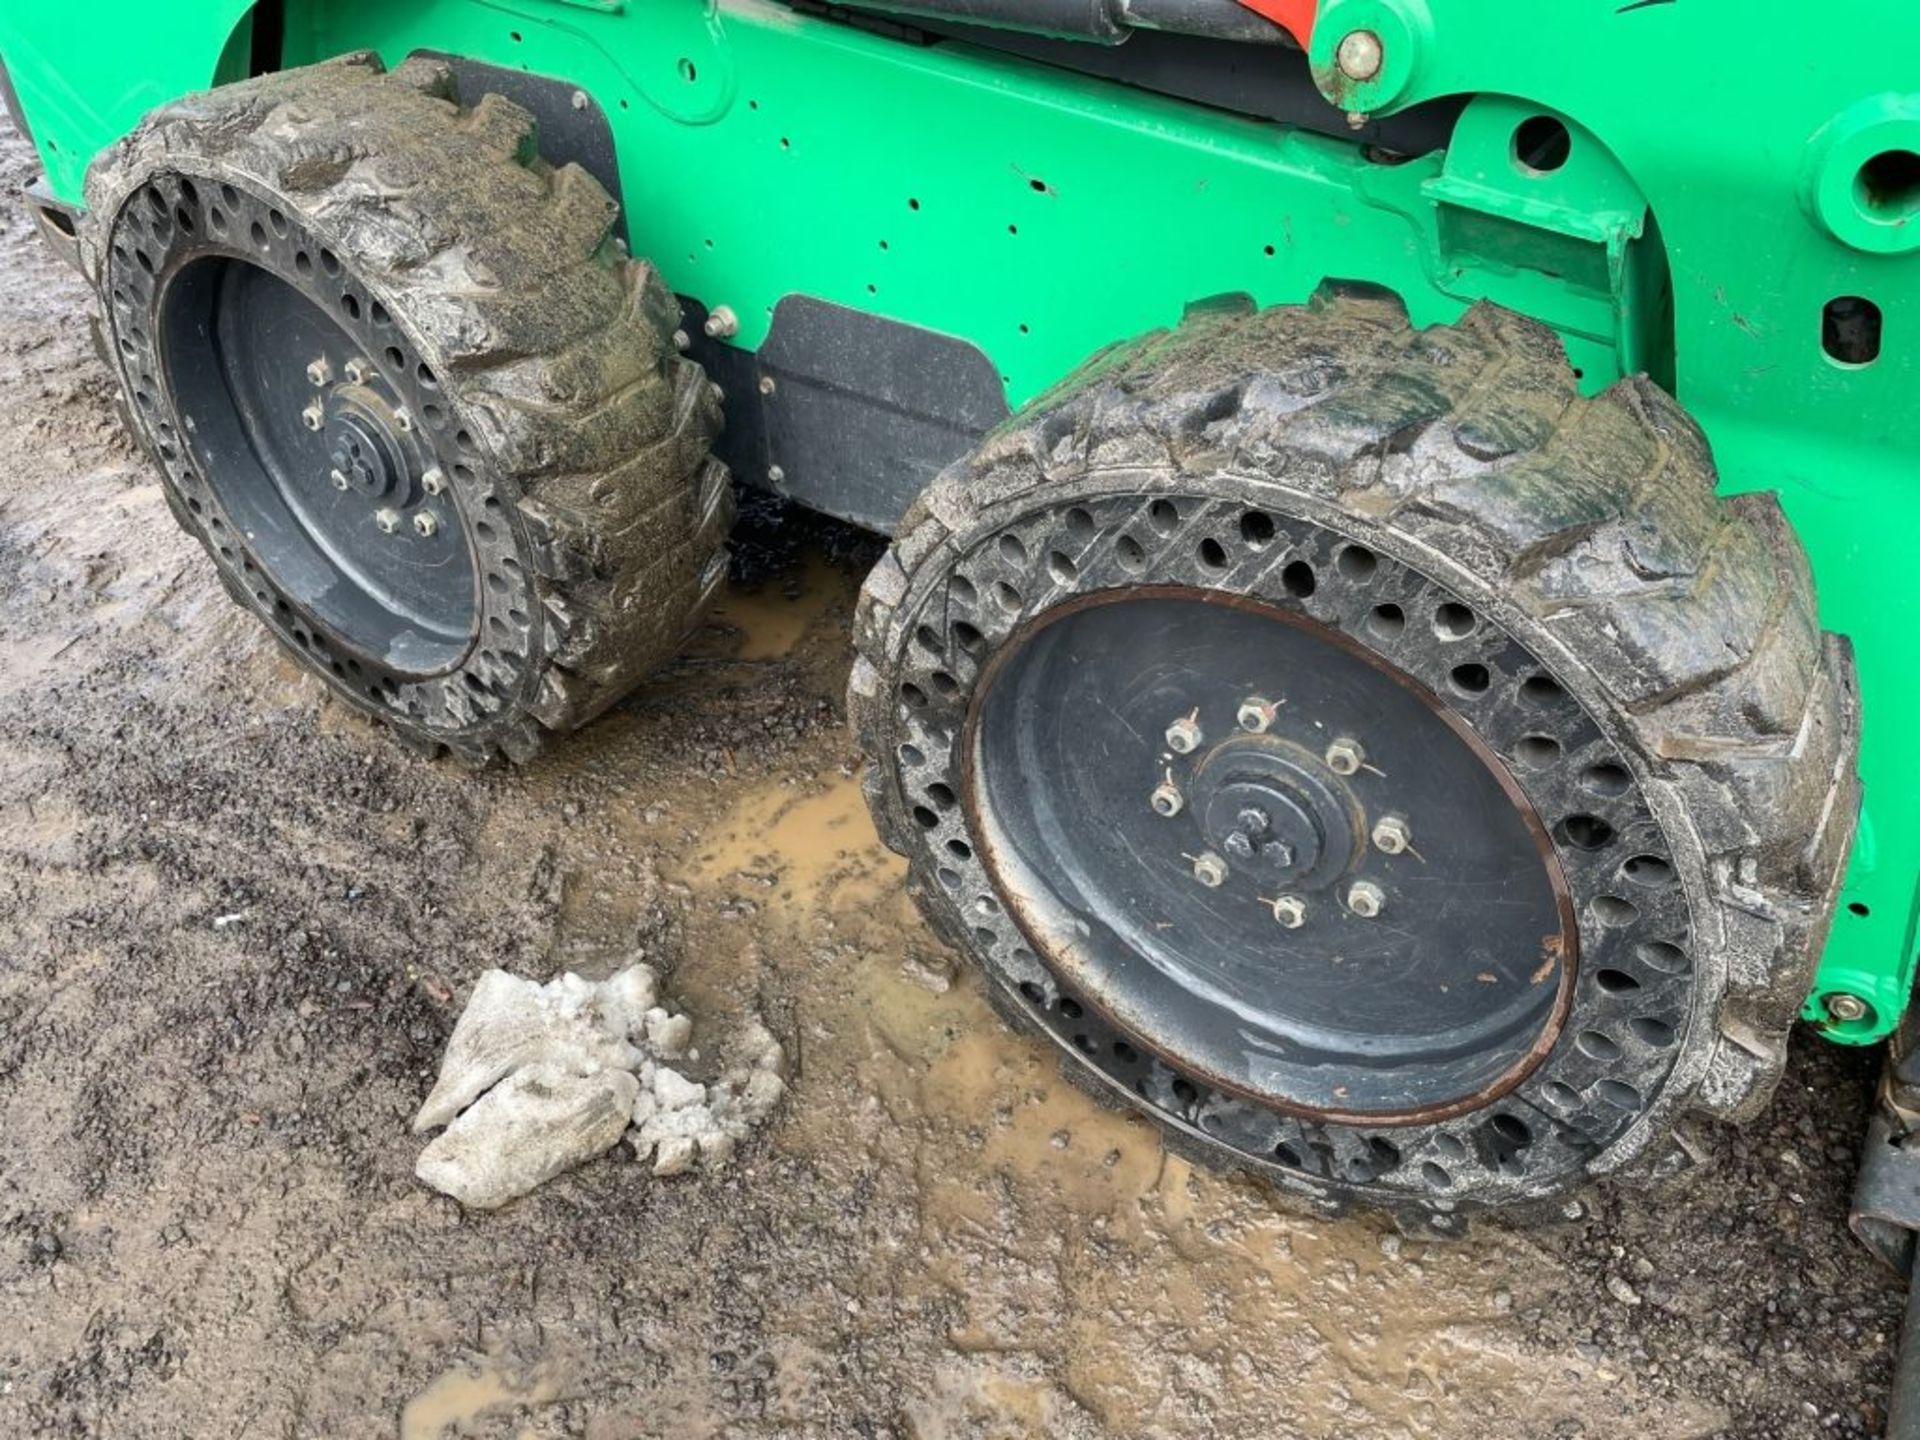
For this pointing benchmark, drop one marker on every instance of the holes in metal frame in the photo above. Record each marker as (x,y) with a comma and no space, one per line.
(1298,580)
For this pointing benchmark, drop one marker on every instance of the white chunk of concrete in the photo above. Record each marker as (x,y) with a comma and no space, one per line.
(539,1122)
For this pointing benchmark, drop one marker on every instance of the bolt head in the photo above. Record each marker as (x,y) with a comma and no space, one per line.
(356,371)
(1360,55)
(1277,853)
(1184,736)
(403,417)
(425,524)
(722,322)
(1290,911)
(1255,715)
(681,340)
(1238,845)
(1254,820)
(339,479)
(434,481)
(767,386)
(320,372)
(1345,757)
(776,475)
(579,100)
(1847,1008)
(387,520)
(1210,870)
(1391,835)
(1166,801)
(1366,899)
(313,417)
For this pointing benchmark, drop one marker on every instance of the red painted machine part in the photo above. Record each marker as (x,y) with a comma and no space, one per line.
(1293,16)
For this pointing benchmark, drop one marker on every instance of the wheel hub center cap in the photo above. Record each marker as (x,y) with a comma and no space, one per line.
(362,446)
(1275,810)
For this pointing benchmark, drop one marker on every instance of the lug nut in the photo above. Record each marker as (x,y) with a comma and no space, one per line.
(1210,870)
(434,482)
(387,520)
(1847,1008)
(1360,55)
(722,322)
(1391,836)
(1345,757)
(320,372)
(1290,911)
(356,371)
(424,524)
(1184,735)
(1366,899)
(314,416)
(1166,801)
(1256,714)
(339,479)
(403,418)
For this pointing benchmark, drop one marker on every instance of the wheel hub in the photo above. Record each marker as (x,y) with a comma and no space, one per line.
(362,446)
(1276,814)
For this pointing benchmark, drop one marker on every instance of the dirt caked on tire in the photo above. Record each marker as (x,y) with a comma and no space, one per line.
(405,385)
(1401,777)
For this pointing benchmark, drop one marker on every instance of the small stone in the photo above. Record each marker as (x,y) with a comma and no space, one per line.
(674,1156)
(1391,1246)
(675,1092)
(668,1035)
(1622,1291)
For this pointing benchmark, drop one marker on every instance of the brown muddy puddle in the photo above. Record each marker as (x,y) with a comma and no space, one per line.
(1089,1275)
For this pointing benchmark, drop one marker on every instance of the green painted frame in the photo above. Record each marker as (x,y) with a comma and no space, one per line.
(765,152)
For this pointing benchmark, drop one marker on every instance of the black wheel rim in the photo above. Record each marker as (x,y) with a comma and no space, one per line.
(1632,982)
(1273,857)
(314,451)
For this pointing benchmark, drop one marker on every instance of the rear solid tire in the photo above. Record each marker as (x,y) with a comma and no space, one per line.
(1679,628)
(496,310)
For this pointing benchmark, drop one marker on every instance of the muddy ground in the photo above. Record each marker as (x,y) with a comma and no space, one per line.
(236,923)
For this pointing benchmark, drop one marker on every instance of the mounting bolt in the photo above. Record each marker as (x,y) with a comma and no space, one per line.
(1847,1008)
(1166,801)
(314,417)
(1256,714)
(579,100)
(320,372)
(1365,899)
(434,481)
(356,371)
(1210,870)
(1290,911)
(722,322)
(1360,55)
(387,520)
(767,387)
(775,475)
(681,340)
(403,418)
(1184,735)
(1391,836)
(424,524)
(1345,757)
(339,479)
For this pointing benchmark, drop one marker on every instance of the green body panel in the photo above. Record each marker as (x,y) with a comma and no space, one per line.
(1708,210)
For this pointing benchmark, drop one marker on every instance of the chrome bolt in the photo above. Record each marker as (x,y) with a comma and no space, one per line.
(1360,55)
(1184,735)
(356,371)
(681,340)
(775,475)
(579,100)
(1256,714)
(1166,801)
(1846,1008)
(1365,899)
(1391,836)
(320,372)
(1345,757)
(1210,870)
(434,482)
(424,524)
(722,322)
(314,417)
(403,418)
(1290,911)
(767,387)
(339,479)
(387,520)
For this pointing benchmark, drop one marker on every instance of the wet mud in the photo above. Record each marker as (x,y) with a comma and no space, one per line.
(237,923)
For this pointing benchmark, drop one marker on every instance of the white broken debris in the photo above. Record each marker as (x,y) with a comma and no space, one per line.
(539,1078)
